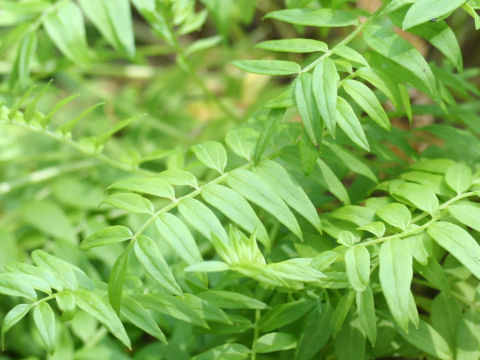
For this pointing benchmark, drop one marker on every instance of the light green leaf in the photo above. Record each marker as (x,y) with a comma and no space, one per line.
(225,352)
(66,304)
(350,161)
(21,67)
(177,235)
(146,185)
(288,189)
(341,311)
(355,214)
(416,243)
(350,54)
(114,20)
(383,82)
(231,300)
(468,336)
(425,10)
(209,266)
(420,196)
(396,215)
(367,100)
(459,243)
(284,314)
(389,44)
(357,264)
(314,17)
(276,341)
(138,316)
(154,264)
(324,87)
(235,207)
(459,177)
(66,29)
(44,320)
(467,213)
(471,11)
(332,183)
(117,279)
(395,278)
(376,228)
(349,123)
(242,141)
(62,270)
(366,313)
(269,128)
(203,44)
(293,45)
(259,192)
(212,154)
(307,109)
(11,318)
(268,67)
(130,202)
(109,235)
(178,177)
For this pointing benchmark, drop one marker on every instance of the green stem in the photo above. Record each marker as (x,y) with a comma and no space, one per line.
(255,334)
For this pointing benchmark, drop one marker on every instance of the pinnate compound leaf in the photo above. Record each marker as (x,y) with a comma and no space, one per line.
(395,214)
(44,320)
(314,17)
(357,263)
(425,10)
(324,87)
(348,121)
(103,312)
(114,20)
(367,100)
(259,192)
(146,185)
(395,278)
(293,45)
(459,243)
(276,341)
(225,352)
(134,312)
(13,317)
(66,29)
(109,235)
(459,177)
(155,265)
(268,67)
(212,154)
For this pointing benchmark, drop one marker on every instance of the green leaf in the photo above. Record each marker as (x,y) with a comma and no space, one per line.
(66,304)
(427,339)
(332,183)
(357,263)
(307,109)
(130,202)
(276,341)
(268,67)
(242,141)
(21,67)
(109,235)
(416,243)
(212,154)
(231,300)
(376,228)
(44,320)
(383,82)
(308,153)
(314,17)
(425,10)
(366,313)
(350,54)
(134,312)
(389,44)
(284,314)
(154,264)
(114,21)
(468,336)
(225,352)
(288,189)
(434,273)
(66,29)
(103,138)
(316,332)
(178,177)
(43,274)
(471,11)
(396,215)
(445,314)
(269,128)
(103,312)
(177,235)
(117,279)
(146,185)
(367,100)
(62,270)
(253,188)
(395,278)
(293,45)
(324,87)
(236,208)
(459,177)
(341,311)
(349,123)
(350,341)
(13,317)
(420,196)
(209,266)
(459,243)
(467,213)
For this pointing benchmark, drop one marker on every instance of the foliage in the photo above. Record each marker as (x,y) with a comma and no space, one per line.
(202,210)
